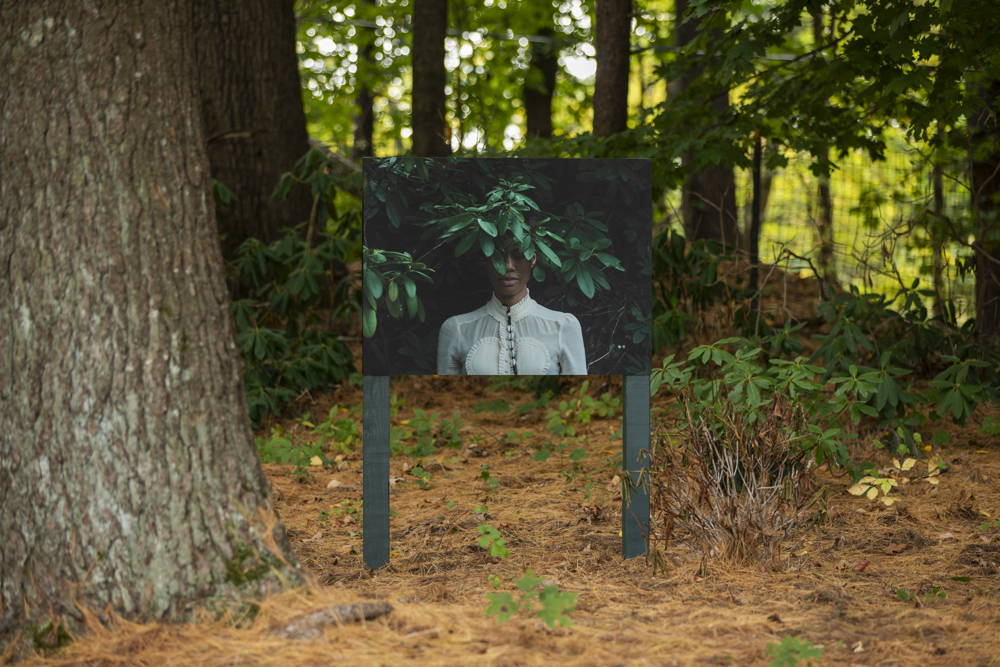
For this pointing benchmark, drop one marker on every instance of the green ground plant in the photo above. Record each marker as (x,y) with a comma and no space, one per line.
(791,651)
(490,540)
(554,604)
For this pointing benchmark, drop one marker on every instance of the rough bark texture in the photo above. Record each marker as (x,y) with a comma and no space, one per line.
(252,113)
(430,24)
(708,199)
(613,28)
(539,87)
(986,210)
(128,474)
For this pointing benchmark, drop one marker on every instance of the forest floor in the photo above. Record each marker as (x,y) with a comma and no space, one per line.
(561,517)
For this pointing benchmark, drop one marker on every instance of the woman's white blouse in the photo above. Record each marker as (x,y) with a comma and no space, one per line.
(546,342)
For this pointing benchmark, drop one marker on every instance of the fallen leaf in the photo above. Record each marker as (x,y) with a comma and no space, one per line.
(861,565)
(614,484)
(698,579)
(394,480)
(801,552)
(947,536)
(315,461)
(334,483)
(858,648)
(314,538)
(897,548)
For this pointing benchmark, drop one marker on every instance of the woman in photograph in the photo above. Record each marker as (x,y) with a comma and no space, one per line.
(512,334)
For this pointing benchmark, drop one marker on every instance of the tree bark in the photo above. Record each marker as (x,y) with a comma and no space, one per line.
(364,120)
(430,24)
(708,199)
(985,152)
(128,473)
(824,221)
(613,29)
(251,108)
(539,86)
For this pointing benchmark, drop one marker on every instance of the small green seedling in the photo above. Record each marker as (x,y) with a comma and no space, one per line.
(793,650)
(491,541)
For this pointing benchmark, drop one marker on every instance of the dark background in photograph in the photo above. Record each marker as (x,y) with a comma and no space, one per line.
(590,216)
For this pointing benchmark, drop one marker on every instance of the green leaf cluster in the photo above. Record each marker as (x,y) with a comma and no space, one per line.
(554,604)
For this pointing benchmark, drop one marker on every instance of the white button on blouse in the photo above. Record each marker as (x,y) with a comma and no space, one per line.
(496,340)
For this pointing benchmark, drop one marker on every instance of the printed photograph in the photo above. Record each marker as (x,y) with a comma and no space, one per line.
(476,266)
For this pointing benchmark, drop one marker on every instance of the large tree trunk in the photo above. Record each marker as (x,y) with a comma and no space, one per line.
(251,107)
(128,474)
(539,86)
(613,29)
(708,199)
(986,210)
(430,24)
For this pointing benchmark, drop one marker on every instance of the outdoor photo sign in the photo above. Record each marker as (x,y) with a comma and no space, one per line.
(443,237)
(512,266)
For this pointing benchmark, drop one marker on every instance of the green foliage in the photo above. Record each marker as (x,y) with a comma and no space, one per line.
(492,482)
(428,432)
(790,651)
(555,605)
(491,541)
(935,594)
(390,279)
(423,477)
(283,327)
(580,409)
(494,407)
(338,431)
(300,453)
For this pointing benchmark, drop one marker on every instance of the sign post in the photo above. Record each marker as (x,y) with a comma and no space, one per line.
(376,471)
(635,464)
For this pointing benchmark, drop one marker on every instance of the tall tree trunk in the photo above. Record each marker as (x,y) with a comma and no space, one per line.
(364,121)
(430,24)
(824,221)
(937,242)
(985,142)
(613,29)
(251,108)
(708,201)
(128,473)
(539,86)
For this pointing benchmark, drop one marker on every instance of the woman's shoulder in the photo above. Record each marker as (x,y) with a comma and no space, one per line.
(555,315)
(457,320)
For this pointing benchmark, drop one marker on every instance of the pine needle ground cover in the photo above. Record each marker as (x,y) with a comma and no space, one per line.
(915,582)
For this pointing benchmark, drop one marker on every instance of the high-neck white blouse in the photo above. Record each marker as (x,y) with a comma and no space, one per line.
(546,342)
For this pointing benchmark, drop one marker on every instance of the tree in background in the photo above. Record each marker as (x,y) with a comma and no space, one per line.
(430,130)
(539,86)
(708,203)
(251,109)
(612,43)
(128,475)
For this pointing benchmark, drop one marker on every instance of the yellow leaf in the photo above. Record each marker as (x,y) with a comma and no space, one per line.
(933,480)
(309,424)
(928,448)
(315,461)
(981,451)
(985,513)
(404,422)
(895,462)
(888,501)
(872,493)
(858,489)
(909,463)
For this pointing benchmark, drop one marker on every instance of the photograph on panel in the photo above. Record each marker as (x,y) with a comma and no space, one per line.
(476,266)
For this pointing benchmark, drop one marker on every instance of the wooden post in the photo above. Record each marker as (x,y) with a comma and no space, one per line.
(635,463)
(375,457)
